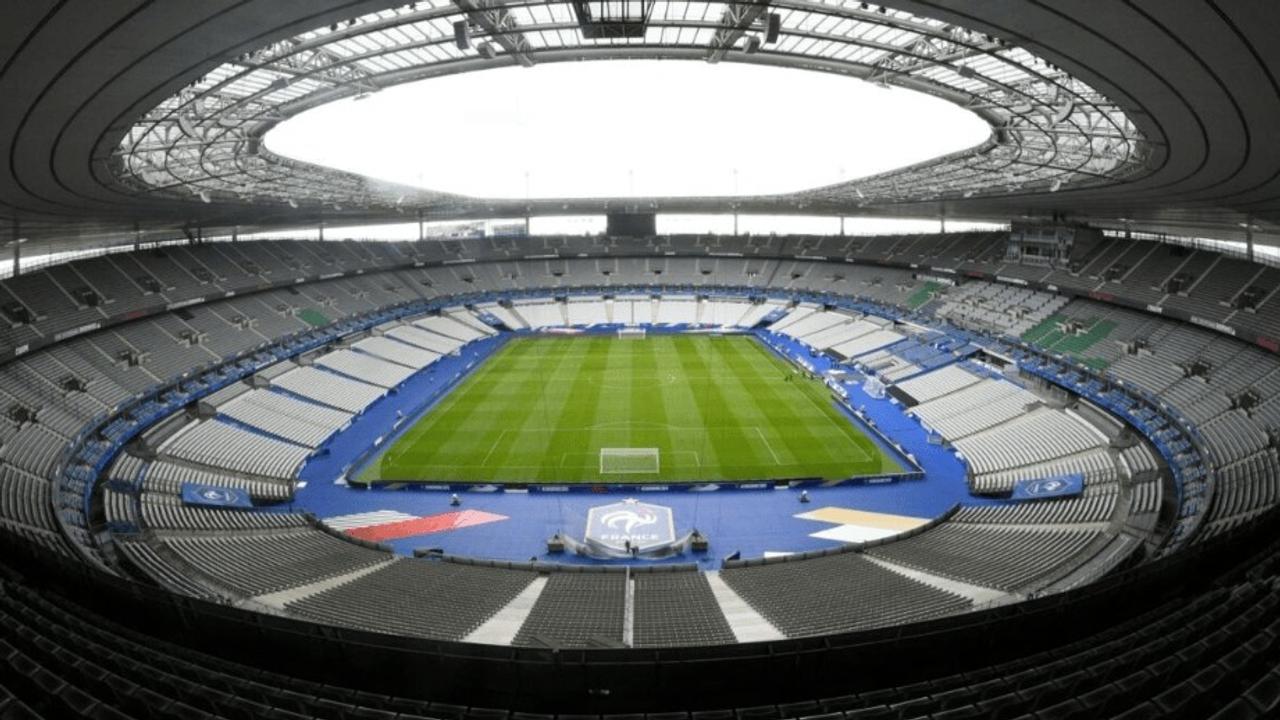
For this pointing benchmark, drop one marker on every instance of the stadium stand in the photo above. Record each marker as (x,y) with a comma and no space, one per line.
(365,368)
(839,593)
(284,417)
(998,308)
(1003,558)
(418,598)
(216,444)
(165,350)
(1150,354)
(931,386)
(164,511)
(329,389)
(673,609)
(166,476)
(582,609)
(267,560)
(396,352)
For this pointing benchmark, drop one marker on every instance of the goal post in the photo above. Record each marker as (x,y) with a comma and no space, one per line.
(629,461)
(631,333)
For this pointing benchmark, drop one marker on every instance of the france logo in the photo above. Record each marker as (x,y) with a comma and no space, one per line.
(214,496)
(630,524)
(1059,486)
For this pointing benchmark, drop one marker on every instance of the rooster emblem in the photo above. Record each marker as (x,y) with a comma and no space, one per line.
(628,520)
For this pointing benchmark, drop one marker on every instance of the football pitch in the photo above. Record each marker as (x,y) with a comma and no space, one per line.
(602,409)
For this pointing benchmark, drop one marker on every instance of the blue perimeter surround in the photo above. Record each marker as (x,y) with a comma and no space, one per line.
(751,523)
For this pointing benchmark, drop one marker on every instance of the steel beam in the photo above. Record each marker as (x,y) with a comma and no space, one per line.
(500,25)
(737,19)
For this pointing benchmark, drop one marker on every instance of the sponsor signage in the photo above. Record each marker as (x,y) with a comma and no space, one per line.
(184,303)
(59,337)
(950,281)
(1226,329)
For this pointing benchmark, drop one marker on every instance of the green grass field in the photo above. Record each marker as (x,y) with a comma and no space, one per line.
(714,408)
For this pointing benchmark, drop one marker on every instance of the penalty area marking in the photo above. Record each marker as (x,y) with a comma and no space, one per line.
(776,460)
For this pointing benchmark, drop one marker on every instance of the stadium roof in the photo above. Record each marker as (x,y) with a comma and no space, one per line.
(1160,115)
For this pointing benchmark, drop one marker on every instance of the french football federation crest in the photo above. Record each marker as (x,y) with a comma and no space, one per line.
(630,524)
(214,496)
(1049,487)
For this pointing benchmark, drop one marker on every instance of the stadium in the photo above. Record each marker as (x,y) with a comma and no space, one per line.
(639,360)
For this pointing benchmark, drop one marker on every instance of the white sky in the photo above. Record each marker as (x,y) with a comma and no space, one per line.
(624,128)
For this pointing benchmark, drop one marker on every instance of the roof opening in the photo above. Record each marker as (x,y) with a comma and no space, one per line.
(629,128)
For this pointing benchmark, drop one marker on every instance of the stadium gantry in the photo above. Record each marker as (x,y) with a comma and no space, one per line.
(1029,472)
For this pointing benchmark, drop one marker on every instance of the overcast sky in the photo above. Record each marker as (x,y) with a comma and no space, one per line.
(620,128)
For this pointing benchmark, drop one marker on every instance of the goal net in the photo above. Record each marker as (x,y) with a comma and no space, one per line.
(633,333)
(628,461)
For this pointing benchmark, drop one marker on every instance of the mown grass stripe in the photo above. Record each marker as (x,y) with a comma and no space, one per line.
(716,408)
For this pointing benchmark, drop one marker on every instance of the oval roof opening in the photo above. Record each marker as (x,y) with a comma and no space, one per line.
(628,128)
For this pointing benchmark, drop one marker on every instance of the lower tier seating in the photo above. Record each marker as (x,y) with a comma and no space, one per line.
(260,562)
(838,593)
(1002,558)
(418,598)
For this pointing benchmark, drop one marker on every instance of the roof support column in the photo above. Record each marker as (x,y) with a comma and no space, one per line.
(1248,237)
(17,247)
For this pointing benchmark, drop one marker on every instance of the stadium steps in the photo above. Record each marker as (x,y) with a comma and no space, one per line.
(978,594)
(279,600)
(502,628)
(747,624)
(1084,526)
